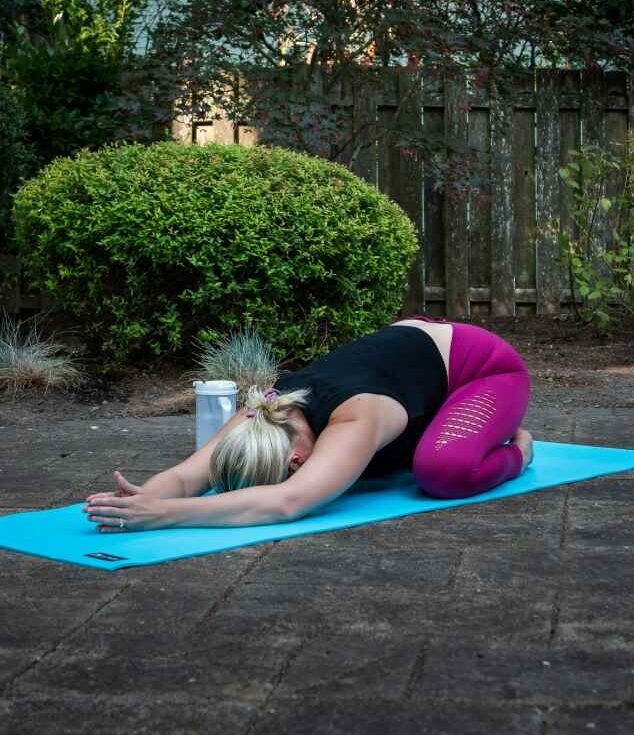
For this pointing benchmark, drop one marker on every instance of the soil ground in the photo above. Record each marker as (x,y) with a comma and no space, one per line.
(570,365)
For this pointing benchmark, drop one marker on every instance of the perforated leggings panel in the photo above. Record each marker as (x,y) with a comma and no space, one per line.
(463,450)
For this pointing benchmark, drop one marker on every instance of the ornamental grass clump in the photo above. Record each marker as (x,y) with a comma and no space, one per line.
(150,247)
(243,357)
(27,360)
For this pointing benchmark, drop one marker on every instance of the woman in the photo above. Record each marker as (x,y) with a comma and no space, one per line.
(443,398)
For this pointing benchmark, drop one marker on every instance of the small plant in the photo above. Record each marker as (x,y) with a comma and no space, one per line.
(244,357)
(29,361)
(599,273)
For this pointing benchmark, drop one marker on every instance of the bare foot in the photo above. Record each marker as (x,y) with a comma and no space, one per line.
(524,440)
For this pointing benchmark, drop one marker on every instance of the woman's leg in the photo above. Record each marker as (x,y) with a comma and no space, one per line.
(462,451)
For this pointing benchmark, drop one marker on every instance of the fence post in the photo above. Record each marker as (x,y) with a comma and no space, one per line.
(364,118)
(547,190)
(455,202)
(410,190)
(630,102)
(593,115)
(502,276)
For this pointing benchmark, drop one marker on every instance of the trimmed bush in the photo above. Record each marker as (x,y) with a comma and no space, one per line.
(151,246)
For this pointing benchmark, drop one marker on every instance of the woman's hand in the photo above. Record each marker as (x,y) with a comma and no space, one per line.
(134,512)
(123,489)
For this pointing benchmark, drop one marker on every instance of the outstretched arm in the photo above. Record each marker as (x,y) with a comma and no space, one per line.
(341,453)
(186,479)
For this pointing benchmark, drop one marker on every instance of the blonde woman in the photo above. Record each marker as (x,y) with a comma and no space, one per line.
(441,398)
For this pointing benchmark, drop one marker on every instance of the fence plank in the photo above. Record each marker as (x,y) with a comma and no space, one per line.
(502,276)
(615,138)
(387,154)
(388,157)
(592,104)
(524,192)
(593,133)
(479,210)
(630,102)
(570,137)
(455,202)
(433,240)
(616,135)
(547,191)
(410,192)
(364,122)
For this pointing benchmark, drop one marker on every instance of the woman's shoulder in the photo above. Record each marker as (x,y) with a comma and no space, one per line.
(386,413)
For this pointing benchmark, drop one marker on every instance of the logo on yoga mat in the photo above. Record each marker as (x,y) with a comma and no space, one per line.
(106,557)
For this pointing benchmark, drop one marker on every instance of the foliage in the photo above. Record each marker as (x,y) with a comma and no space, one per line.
(68,61)
(17,158)
(29,360)
(291,55)
(17,162)
(243,357)
(151,246)
(600,270)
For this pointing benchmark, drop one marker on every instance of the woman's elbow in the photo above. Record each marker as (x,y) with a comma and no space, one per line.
(290,508)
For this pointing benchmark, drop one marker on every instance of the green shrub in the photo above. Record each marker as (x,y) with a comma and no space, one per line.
(601,273)
(153,246)
(17,158)
(70,60)
(18,161)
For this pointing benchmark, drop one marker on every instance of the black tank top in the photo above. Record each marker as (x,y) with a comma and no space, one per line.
(402,362)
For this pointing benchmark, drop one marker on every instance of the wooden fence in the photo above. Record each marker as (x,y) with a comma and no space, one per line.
(488,251)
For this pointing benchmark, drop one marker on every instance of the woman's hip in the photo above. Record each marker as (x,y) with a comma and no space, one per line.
(476,352)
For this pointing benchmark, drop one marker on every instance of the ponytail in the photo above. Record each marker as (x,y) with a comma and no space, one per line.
(257,450)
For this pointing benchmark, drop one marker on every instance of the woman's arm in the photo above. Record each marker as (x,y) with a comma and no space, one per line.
(341,453)
(186,479)
(193,472)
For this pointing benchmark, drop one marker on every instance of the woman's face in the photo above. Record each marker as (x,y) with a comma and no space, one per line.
(303,443)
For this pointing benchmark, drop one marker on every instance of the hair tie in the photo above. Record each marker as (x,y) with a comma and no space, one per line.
(270,394)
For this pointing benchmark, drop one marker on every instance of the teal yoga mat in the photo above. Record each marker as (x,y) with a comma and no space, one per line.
(64,534)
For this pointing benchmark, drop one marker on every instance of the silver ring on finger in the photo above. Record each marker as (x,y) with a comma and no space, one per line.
(121,523)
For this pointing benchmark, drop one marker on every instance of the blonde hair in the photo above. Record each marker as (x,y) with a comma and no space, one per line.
(257,450)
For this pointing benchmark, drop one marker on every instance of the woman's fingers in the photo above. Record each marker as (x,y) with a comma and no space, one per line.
(111,501)
(124,489)
(105,520)
(102,495)
(107,510)
(123,484)
(110,513)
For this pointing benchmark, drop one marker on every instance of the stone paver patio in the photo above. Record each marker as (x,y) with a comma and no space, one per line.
(515,616)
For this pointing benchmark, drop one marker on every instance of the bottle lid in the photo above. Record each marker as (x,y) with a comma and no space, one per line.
(215,387)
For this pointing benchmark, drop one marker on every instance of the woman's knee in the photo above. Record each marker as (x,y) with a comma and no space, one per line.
(443,477)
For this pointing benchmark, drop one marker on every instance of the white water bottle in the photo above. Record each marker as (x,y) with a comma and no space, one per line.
(215,404)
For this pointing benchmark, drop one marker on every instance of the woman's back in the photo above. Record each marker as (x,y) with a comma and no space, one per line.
(402,362)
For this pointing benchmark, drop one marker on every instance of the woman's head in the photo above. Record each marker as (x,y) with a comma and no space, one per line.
(258,450)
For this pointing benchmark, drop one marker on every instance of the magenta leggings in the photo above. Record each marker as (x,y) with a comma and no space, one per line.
(463,451)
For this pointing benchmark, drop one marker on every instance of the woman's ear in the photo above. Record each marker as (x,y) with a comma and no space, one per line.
(295,462)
